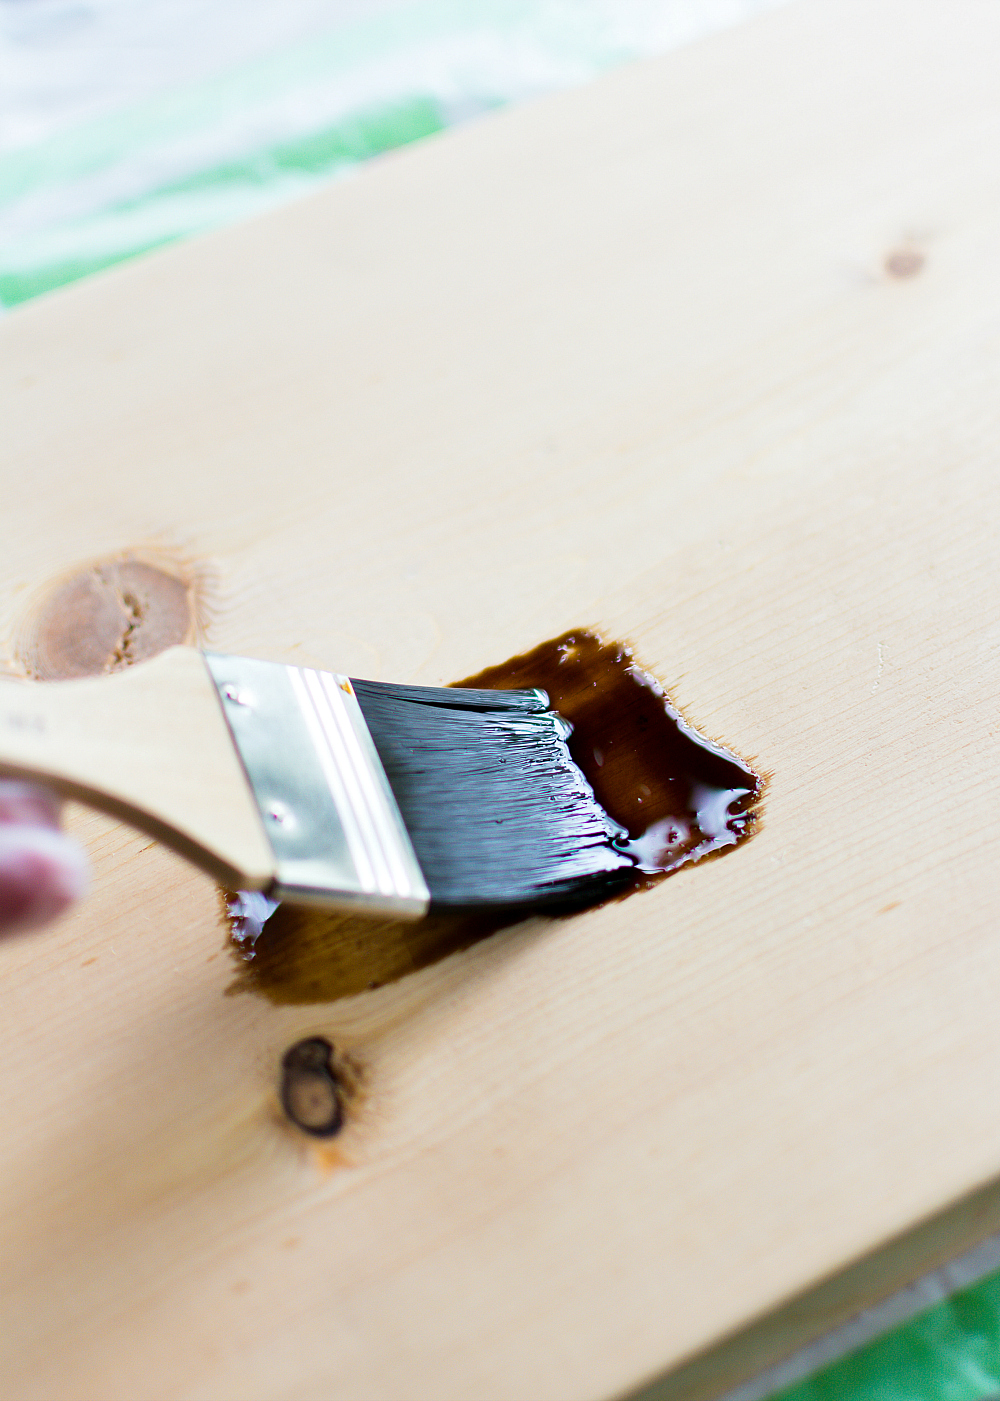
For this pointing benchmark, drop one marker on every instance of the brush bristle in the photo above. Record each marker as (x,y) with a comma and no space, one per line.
(497,811)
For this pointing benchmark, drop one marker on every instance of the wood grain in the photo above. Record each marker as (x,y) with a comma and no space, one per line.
(706,356)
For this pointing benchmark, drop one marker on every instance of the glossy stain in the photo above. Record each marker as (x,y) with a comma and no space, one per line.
(680,797)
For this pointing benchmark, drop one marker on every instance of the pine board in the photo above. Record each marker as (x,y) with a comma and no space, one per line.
(704,355)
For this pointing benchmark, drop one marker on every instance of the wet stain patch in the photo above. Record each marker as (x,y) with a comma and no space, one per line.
(681,798)
(295,955)
(108,615)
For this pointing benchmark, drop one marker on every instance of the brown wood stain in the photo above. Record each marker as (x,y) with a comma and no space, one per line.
(681,797)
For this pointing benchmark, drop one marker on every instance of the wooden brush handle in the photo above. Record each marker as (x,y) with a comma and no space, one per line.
(149,745)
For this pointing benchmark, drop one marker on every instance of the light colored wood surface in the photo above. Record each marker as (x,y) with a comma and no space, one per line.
(633,357)
(150,745)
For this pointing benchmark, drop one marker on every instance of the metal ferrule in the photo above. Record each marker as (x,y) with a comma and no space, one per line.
(337,835)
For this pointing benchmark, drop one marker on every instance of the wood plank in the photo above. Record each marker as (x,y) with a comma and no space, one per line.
(704,355)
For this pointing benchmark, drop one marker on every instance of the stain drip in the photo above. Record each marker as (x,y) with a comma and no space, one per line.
(680,797)
(106,617)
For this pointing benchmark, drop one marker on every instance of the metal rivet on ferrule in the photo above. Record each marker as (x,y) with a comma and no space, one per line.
(310,1092)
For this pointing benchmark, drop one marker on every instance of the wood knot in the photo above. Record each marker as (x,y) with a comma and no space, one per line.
(904,262)
(107,616)
(310,1090)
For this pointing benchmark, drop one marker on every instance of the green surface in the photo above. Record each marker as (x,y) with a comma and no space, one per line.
(210,194)
(949,1353)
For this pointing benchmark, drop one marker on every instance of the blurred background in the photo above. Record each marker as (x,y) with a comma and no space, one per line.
(129,124)
(126,124)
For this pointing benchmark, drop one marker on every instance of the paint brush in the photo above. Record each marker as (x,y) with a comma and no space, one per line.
(315,788)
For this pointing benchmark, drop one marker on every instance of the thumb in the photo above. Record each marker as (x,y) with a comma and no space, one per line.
(41,870)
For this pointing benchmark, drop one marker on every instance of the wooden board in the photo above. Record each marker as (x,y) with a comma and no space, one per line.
(706,356)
